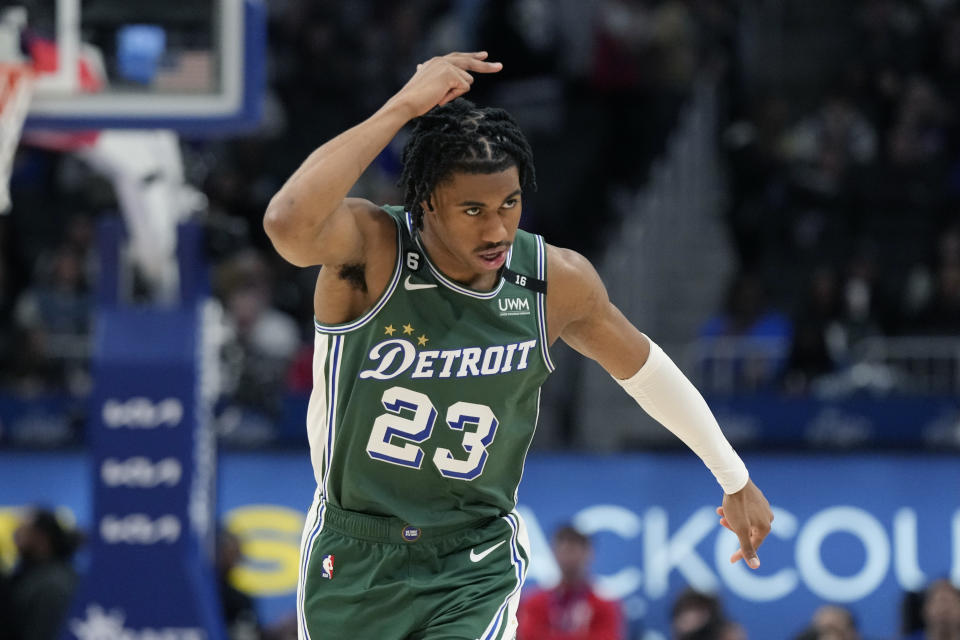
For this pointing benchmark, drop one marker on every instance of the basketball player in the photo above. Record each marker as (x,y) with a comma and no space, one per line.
(434,322)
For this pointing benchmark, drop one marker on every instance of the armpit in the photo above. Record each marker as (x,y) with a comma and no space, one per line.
(354,275)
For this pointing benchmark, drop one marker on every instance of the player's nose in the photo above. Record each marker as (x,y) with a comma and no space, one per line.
(494,231)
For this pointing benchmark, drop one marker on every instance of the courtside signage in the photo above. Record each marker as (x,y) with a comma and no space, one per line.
(860,530)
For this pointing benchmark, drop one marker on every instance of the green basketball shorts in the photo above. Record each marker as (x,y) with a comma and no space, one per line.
(365,577)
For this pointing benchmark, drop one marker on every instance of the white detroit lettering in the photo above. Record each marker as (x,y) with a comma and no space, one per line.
(468,366)
(394,348)
(396,356)
(492,360)
(424,363)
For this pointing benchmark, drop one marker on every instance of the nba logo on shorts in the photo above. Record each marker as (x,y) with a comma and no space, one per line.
(327,565)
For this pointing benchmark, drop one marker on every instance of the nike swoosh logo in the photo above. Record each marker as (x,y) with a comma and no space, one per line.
(477,557)
(409,286)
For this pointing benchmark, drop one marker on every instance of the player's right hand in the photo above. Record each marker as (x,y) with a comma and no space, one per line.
(440,80)
(747,514)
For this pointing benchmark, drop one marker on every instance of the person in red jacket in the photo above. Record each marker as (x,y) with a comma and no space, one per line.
(571,610)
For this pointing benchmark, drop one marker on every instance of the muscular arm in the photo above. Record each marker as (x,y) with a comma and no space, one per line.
(310,220)
(583,316)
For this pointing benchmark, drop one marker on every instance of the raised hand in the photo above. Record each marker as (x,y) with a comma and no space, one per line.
(747,513)
(440,80)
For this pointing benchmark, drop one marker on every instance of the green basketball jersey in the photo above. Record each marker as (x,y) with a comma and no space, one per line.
(424,407)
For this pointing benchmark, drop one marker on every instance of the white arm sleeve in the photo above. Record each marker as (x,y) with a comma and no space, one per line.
(672,400)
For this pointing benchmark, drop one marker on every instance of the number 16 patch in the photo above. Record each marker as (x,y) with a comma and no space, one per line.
(327,565)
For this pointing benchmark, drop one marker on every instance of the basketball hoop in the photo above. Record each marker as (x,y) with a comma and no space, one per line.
(16,87)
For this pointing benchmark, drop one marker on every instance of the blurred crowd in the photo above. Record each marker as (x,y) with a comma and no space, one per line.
(36,591)
(843,210)
(844,184)
(596,86)
(845,192)
(35,595)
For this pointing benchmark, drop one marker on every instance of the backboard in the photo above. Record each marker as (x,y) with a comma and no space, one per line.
(195,66)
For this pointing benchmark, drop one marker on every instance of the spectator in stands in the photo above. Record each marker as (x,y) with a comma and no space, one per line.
(940,612)
(931,305)
(868,306)
(571,610)
(30,370)
(43,582)
(750,337)
(61,301)
(818,340)
(941,315)
(79,240)
(263,342)
(239,613)
(6,607)
(826,142)
(831,622)
(919,134)
(756,156)
(52,319)
(644,60)
(911,614)
(699,616)
(6,319)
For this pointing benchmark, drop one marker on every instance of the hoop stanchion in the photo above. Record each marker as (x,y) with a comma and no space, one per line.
(16,88)
(153,455)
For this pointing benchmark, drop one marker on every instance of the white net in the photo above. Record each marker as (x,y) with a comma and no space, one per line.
(16,83)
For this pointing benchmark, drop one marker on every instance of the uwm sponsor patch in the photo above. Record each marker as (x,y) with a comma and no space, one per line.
(513,306)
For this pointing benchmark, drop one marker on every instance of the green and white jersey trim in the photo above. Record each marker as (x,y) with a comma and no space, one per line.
(322,411)
(450,284)
(487,295)
(504,624)
(542,304)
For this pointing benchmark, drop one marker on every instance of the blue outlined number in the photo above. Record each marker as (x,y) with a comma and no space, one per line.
(475,442)
(398,402)
(411,416)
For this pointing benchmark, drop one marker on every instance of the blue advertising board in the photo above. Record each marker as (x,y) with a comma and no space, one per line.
(859,530)
(152,462)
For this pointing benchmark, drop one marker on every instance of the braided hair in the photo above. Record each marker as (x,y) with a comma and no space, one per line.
(461,137)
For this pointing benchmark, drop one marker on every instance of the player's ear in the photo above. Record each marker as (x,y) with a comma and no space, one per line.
(426,205)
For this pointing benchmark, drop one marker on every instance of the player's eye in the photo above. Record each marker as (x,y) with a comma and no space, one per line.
(472,211)
(510,203)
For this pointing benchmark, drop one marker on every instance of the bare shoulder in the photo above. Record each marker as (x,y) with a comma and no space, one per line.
(373,222)
(358,231)
(356,275)
(574,288)
(354,229)
(580,313)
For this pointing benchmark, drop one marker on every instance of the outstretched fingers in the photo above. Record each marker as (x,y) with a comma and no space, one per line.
(747,550)
(475,62)
(750,538)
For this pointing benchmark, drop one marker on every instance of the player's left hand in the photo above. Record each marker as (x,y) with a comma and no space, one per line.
(747,513)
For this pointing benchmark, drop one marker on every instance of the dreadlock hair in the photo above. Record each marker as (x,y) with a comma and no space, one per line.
(461,137)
